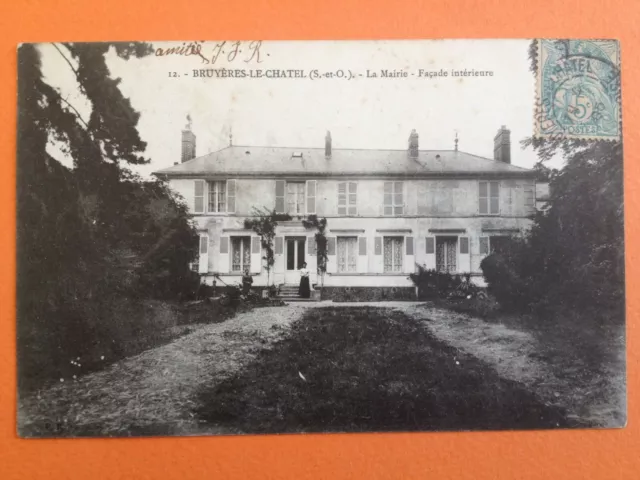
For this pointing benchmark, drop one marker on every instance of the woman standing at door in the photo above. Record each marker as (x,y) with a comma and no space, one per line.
(305,289)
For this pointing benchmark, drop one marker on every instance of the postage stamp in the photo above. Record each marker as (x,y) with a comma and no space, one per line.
(578,89)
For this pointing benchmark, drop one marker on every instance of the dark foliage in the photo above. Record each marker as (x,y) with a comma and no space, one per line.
(94,235)
(435,284)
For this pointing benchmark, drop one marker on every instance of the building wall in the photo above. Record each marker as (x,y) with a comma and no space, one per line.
(432,208)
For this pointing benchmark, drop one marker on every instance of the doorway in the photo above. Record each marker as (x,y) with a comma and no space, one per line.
(294,259)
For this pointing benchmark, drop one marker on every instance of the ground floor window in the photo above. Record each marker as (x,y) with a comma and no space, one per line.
(498,243)
(446,254)
(393,254)
(240,254)
(347,254)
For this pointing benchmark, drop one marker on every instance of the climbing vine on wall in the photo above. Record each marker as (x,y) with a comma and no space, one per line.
(313,222)
(264,224)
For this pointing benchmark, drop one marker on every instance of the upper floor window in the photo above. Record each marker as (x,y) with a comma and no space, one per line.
(393,198)
(295,198)
(489,199)
(217,197)
(347,198)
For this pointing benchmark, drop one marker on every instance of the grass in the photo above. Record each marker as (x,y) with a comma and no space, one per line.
(583,351)
(355,369)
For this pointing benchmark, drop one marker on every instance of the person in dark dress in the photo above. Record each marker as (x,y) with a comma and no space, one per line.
(247,281)
(305,289)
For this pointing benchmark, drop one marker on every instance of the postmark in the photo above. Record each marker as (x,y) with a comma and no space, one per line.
(578,89)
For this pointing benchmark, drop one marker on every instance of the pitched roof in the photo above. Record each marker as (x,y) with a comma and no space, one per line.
(250,161)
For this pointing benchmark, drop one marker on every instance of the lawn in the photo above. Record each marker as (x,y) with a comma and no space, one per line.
(354,369)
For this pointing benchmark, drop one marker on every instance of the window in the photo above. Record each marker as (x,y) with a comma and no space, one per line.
(493,244)
(393,254)
(393,201)
(295,198)
(240,254)
(217,197)
(347,198)
(489,199)
(347,254)
(446,254)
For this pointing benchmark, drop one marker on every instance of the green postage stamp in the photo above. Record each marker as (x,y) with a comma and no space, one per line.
(578,89)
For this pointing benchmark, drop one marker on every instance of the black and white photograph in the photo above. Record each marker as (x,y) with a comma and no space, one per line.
(270,237)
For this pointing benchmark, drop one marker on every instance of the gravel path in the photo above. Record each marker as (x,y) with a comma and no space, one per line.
(152,393)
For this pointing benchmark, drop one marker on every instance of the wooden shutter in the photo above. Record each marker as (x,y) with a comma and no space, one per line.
(332,263)
(483,198)
(256,254)
(311,197)
(494,198)
(377,249)
(203,262)
(311,246)
(342,198)
(484,245)
(430,250)
(388,199)
(279,245)
(223,256)
(362,246)
(465,255)
(280,196)
(231,196)
(198,198)
(352,199)
(398,198)
(409,244)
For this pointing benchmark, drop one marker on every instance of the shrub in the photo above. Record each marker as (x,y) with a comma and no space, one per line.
(434,284)
(504,283)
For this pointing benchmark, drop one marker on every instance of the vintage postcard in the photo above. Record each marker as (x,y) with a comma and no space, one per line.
(242,237)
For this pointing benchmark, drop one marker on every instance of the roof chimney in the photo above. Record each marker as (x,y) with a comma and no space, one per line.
(502,145)
(413,144)
(188,142)
(327,145)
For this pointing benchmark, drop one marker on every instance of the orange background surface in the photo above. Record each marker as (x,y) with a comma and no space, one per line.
(502,455)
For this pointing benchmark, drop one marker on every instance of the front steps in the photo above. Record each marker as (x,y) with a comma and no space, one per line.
(289,293)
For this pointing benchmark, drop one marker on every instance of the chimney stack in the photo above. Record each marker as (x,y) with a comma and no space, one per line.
(413,144)
(502,145)
(327,145)
(188,142)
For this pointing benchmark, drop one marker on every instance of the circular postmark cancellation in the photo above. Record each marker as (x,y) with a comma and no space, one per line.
(578,89)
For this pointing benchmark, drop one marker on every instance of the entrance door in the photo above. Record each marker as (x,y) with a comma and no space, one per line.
(446,254)
(294,259)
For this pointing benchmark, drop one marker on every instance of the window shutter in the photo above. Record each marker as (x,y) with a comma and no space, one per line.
(256,254)
(311,196)
(342,198)
(331,246)
(198,199)
(430,258)
(464,263)
(353,198)
(494,200)
(398,200)
(231,196)
(431,245)
(484,245)
(279,246)
(377,248)
(203,262)
(464,245)
(483,201)
(224,245)
(362,245)
(280,204)
(311,246)
(409,244)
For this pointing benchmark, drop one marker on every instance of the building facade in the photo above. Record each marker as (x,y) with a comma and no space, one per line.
(386,210)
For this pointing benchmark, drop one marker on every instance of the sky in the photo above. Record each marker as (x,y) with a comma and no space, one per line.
(362,112)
